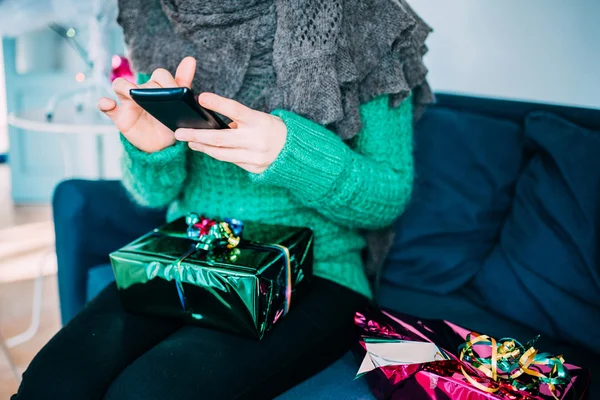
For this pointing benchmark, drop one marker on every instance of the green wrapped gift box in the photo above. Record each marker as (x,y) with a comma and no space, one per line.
(244,290)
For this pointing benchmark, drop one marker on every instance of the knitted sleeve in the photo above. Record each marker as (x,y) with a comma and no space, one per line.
(154,179)
(366,185)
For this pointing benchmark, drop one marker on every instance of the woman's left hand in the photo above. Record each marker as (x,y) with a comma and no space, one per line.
(253,142)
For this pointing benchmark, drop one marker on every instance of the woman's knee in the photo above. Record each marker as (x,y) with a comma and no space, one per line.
(136,385)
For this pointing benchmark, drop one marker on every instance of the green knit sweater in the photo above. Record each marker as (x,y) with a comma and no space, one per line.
(318,181)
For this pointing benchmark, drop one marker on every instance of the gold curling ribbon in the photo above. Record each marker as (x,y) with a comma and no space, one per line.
(504,354)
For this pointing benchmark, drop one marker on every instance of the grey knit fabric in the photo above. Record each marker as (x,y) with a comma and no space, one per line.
(318,58)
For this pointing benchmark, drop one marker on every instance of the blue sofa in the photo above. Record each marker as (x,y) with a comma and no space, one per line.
(488,174)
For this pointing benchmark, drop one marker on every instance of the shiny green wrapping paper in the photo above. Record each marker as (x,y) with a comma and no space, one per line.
(242,290)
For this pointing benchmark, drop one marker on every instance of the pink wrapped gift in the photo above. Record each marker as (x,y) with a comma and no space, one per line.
(406,357)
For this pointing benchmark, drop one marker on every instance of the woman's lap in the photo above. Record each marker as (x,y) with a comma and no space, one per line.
(106,350)
(88,353)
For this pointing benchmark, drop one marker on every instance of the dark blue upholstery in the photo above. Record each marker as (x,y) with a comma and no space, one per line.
(335,383)
(94,218)
(466,168)
(98,277)
(548,249)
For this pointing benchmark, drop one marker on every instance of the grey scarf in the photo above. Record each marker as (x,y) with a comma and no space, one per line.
(321,59)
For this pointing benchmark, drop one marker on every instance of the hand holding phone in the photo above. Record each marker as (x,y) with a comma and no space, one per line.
(254,143)
(139,127)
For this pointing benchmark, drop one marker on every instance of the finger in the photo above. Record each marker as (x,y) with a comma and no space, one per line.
(230,108)
(163,78)
(216,138)
(108,107)
(185,72)
(150,85)
(122,86)
(221,153)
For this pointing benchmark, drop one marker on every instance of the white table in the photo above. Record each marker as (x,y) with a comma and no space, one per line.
(66,122)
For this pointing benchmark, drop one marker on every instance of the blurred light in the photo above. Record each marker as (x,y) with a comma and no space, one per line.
(116,61)
(80,77)
(71,32)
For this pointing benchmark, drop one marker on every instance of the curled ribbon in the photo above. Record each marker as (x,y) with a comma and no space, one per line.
(510,360)
(211,235)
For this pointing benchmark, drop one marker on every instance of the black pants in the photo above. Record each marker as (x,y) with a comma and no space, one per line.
(107,353)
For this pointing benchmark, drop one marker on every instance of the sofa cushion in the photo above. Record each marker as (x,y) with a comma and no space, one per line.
(545,272)
(97,279)
(334,383)
(466,167)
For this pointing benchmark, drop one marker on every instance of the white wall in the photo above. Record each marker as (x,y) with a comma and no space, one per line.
(538,50)
(3,126)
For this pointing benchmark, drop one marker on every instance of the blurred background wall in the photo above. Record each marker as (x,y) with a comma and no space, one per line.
(538,50)
(38,65)
(3,127)
(535,50)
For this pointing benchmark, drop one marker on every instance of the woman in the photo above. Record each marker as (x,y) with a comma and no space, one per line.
(321,97)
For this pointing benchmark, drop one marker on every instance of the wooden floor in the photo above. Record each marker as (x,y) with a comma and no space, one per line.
(26,244)
(15,313)
(11,215)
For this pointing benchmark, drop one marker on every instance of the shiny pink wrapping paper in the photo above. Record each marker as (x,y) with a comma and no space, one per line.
(442,380)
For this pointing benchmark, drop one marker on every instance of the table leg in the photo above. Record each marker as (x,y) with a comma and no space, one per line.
(67,156)
(100,155)
(9,358)
(36,311)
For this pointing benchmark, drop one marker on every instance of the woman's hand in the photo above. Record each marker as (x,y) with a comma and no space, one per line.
(141,129)
(253,142)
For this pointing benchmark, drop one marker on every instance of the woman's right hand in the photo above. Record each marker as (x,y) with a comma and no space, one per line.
(139,127)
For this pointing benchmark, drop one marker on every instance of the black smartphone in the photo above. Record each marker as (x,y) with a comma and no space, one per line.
(177,108)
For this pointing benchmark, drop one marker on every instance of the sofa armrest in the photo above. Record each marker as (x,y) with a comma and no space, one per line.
(92,219)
